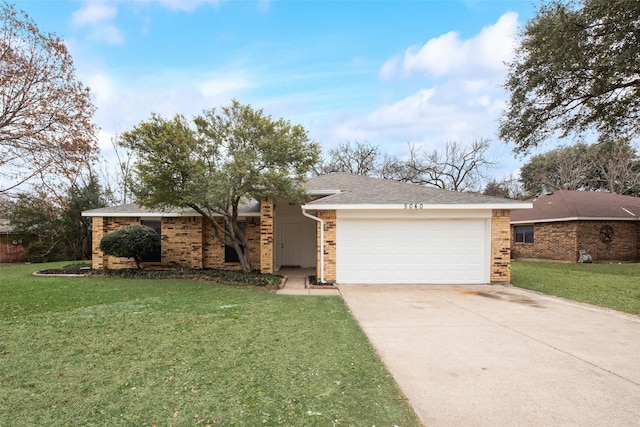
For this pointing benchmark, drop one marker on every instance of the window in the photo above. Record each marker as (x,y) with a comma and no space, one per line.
(524,233)
(230,254)
(157,226)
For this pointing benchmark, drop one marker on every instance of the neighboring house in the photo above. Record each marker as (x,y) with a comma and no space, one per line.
(12,249)
(356,229)
(561,224)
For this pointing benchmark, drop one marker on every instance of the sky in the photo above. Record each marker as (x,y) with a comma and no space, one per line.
(387,72)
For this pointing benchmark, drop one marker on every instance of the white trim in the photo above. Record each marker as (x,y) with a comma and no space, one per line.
(321,223)
(160,214)
(402,214)
(421,206)
(576,218)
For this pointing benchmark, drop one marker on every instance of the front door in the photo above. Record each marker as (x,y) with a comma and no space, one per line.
(290,244)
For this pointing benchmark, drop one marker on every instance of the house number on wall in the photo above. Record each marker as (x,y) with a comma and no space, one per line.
(413,206)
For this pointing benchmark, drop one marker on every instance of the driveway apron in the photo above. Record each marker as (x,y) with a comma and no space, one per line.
(499,355)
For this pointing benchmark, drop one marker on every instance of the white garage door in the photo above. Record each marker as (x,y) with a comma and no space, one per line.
(420,251)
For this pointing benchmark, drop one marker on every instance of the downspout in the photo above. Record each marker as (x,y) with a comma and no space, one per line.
(315,218)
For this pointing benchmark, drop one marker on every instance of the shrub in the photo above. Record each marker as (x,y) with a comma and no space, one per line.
(38,252)
(132,241)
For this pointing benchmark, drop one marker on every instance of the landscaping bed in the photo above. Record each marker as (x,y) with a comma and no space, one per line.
(230,277)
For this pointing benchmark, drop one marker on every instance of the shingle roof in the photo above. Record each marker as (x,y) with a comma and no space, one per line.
(363,190)
(572,205)
(343,190)
(133,209)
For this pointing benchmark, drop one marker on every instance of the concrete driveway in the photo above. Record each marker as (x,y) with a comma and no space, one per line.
(498,355)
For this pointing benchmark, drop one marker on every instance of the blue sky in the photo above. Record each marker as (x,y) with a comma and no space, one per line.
(387,72)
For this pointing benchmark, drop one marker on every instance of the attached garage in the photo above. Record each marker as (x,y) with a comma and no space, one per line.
(431,248)
(375,231)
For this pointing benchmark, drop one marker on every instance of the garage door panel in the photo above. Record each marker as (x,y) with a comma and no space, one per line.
(411,251)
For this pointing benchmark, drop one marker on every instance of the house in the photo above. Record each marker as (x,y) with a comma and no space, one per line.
(562,223)
(12,249)
(355,229)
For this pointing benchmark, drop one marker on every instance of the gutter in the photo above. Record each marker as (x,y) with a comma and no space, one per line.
(315,218)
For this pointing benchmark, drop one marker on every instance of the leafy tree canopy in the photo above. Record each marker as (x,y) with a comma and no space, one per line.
(576,70)
(231,155)
(57,225)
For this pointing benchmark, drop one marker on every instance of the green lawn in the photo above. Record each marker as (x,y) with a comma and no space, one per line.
(615,286)
(177,352)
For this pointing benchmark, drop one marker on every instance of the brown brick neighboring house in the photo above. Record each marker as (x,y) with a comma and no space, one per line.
(355,229)
(11,247)
(562,223)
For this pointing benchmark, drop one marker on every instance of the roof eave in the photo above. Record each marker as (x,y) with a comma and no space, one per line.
(576,218)
(416,206)
(159,214)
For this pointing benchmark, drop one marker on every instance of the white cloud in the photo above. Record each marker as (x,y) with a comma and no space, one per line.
(215,87)
(438,56)
(187,5)
(457,93)
(93,13)
(101,86)
(449,54)
(98,17)
(389,68)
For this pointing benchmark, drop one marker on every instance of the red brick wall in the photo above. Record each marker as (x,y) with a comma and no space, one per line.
(561,241)
(11,253)
(623,246)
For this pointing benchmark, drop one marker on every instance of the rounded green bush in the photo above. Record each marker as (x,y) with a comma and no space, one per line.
(131,241)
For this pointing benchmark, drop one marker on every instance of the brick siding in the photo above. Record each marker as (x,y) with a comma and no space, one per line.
(329,220)
(266,236)
(187,242)
(500,246)
(562,240)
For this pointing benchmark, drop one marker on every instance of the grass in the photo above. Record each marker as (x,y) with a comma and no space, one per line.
(616,286)
(99,351)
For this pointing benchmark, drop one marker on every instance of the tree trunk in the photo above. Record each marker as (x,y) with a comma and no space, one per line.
(243,256)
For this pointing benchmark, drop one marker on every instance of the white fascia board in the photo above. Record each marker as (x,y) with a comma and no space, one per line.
(417,206)
(159,214)
(576,218)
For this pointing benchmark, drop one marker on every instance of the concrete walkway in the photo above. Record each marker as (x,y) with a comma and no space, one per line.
(297,283)
(502,356)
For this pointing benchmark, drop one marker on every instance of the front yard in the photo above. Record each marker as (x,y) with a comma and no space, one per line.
(616,286)
(178,352)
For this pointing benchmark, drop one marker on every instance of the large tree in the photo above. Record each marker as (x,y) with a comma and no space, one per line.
(46,132)
(576,69)
(233,154)
(456,167)
(563,168)
(361,158)
(81,196)
(612,166)
(56,227)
